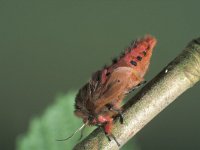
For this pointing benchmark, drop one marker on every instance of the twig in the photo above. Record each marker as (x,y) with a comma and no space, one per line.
(182,73)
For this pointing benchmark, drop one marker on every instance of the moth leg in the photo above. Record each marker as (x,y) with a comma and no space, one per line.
(137,86)
(107,123)
(107,131)
(114,138)
(110,135)
(141,83)
(107,135)
(118,111)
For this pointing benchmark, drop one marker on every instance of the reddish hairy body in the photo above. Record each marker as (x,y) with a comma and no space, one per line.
(99,100)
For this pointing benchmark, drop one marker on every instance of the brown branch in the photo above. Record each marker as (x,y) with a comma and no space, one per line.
(182,73)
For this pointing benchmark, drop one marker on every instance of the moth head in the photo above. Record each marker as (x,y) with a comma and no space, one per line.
(87,116)
(84,106)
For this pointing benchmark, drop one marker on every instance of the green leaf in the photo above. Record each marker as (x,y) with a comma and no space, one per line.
(57,122)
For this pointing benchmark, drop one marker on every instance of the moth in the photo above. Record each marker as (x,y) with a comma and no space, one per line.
(98,102)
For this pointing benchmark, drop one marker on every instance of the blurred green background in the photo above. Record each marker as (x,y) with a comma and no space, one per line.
(50,47)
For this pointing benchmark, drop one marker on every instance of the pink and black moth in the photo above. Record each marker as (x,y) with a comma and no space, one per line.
(98,102)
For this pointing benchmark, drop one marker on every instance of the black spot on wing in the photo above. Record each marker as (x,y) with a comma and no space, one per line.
(139,58)
(144,53)
(134,63)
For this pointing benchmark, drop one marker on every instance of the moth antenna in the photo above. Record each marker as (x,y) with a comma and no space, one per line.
(81,133)
(79,129)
